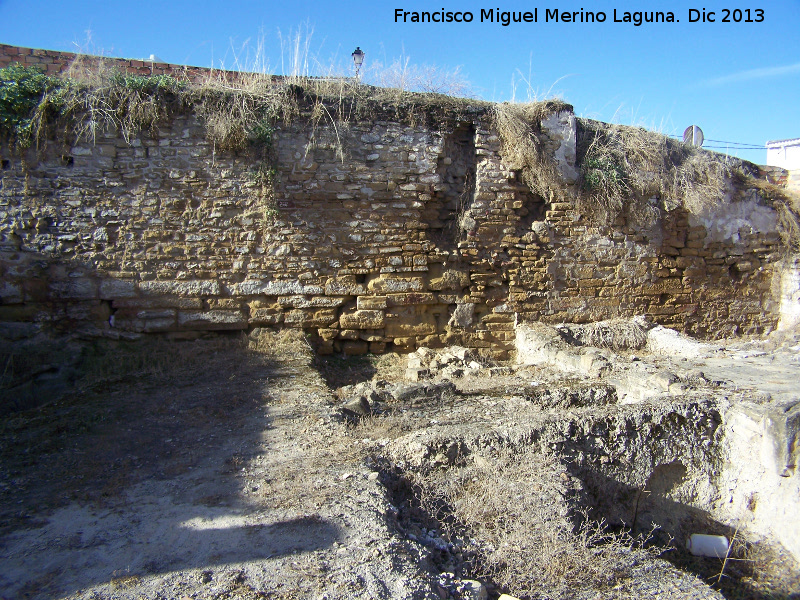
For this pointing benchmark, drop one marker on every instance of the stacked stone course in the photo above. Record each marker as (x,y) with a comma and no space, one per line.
(379,235)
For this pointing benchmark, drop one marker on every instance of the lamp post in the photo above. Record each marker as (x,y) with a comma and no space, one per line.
(358,59)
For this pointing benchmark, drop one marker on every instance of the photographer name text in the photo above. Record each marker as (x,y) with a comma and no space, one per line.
(554,15)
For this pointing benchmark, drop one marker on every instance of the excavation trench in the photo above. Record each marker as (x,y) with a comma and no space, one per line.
(599,495)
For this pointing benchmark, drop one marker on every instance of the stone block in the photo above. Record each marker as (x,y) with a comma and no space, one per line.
(396,285)
(405,343)
(410,298)
(409,321)
(74,289)
(265,316)
(416,374)
(10,293)
(377,347)
(212,320)
(298,301)
(371,302)
(355,347)
(255,287)
(362,319)
(327,334)
(180,288)
(463,315)
(157,302)
(344,285)
(111,289)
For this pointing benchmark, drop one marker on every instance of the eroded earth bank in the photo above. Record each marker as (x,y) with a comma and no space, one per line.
(244,467)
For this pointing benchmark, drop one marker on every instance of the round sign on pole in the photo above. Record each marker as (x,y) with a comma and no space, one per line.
(693,136)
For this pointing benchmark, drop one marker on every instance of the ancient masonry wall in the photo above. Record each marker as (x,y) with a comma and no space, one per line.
(416,237)
(380,235)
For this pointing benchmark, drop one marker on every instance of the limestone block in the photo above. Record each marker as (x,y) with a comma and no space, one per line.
(74,289)
(212,319)
(394,284)
(265,316)
(377,347)
(353,347)
(117,288)
(405,343)
(10,293)
(158,325)
(372,335)
(362,319)
(180,288)
(298,301)
(324,347)
(255,287)
(661,340)
(411,298)
(371,302)
(327,334)
(762,459)
(164,313)
(463,315)
(409,321)
(349,334)
(163,302)
(344,285)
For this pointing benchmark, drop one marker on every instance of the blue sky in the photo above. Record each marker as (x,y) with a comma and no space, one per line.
(740,82)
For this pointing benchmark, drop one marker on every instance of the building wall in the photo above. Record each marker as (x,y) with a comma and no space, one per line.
(784,154)
(54,62)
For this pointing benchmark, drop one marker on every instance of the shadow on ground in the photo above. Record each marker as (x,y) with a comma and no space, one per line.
(136,472)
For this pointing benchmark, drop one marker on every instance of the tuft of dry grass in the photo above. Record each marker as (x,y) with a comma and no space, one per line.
(282,344)
(519,127)
(637,174)
(511,507)
(785,202)
(622,168)
(616,334)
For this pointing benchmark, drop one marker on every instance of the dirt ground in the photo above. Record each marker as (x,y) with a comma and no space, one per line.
(227,470)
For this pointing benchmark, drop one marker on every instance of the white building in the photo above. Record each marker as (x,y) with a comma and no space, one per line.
(784,154)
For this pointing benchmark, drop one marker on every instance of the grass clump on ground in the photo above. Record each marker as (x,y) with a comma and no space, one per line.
(511,512)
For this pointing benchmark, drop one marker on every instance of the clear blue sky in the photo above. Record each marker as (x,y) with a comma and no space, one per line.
(740,82)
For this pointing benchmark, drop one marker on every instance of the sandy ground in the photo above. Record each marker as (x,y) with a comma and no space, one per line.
(229,483)
(236,478)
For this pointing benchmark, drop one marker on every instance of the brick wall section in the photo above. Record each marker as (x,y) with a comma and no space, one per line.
(54,62)
(381,236)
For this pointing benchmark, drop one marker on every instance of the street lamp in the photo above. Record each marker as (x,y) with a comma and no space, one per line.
(358,59)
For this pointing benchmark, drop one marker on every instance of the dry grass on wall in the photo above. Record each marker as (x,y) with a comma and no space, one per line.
(519,128)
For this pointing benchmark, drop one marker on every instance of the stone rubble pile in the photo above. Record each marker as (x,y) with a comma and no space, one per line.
(362,399)
(448,363)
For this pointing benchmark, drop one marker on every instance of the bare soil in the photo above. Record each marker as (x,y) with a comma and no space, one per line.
(228,471)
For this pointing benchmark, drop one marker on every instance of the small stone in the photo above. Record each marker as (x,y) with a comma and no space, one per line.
(473,590)
(357,408)
(416,374)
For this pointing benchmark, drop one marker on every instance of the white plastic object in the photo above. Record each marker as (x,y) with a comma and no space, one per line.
(713,546)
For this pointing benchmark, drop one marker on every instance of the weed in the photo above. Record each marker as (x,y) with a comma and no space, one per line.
(519,126)
(616,334)
(507,507)
(21,92)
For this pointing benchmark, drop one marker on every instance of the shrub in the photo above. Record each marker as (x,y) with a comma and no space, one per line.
(21,92)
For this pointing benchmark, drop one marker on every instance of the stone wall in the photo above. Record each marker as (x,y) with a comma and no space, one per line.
(385,233)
